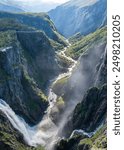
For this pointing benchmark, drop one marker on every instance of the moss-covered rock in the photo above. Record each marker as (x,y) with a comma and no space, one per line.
(97,142)
(10,138)
(80,142)
(92,110)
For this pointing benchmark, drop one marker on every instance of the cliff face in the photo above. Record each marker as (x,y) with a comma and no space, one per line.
(80,142)
(27,64)
(92,110)
(79,16)
(90,113)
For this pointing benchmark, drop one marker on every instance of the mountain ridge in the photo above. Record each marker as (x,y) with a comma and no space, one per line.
(77,19)
(4,6)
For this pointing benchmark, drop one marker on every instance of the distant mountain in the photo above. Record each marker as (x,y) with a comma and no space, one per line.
(80,16)
(32,5)
(7,7)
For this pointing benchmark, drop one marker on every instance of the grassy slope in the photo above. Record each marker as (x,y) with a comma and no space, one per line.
(98,141)
(87,42)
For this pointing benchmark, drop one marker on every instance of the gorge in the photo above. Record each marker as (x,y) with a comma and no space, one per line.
(47,132)
(53,90)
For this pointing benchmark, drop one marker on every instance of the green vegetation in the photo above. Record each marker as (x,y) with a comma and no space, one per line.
(60,103)
(98,141)
(75,38)
(61,81)
(57,46)
(11,24)
(63,61)
(4,76)
(11,139)
(19,66)
(87,42)
(80,142)
(84,113)
(7,38)
(31,84)
(11,142)
(42,16)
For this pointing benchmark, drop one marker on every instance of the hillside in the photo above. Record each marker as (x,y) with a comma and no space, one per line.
(79,16)
(81,45)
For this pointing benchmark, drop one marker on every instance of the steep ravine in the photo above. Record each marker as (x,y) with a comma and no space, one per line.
(48,132)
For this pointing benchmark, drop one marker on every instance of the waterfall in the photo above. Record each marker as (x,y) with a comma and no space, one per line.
(40,134)
(37,135)
(17,122)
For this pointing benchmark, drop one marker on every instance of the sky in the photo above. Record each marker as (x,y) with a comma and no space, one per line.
(39,5)
(45,1)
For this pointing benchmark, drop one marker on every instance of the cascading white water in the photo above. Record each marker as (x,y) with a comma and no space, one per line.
(33,136)
(82,132)
(17,122)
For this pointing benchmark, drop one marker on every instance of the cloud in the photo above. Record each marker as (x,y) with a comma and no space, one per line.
(42,5)
(36,5)
(43,1)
